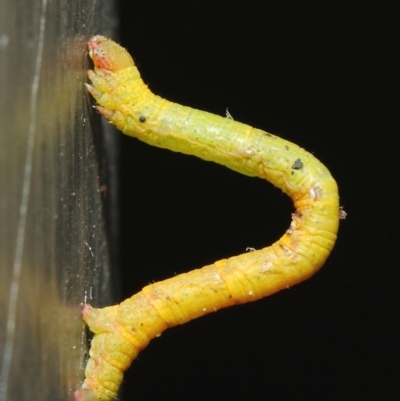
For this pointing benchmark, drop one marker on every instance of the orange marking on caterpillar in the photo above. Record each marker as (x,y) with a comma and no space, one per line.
(121,331)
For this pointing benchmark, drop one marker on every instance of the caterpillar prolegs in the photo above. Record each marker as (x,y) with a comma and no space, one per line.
(121,331)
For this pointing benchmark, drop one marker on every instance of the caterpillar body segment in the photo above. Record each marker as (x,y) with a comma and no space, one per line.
(122,331)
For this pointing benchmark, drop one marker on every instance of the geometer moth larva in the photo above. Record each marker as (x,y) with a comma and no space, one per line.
(121,331)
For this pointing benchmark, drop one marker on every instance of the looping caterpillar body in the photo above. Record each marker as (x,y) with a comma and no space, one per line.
(121,331)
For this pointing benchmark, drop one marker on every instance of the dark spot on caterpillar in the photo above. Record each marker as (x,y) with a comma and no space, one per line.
(286,147)
(297,165)
(142,119)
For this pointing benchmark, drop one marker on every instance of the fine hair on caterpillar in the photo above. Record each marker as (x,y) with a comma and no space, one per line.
(122,331)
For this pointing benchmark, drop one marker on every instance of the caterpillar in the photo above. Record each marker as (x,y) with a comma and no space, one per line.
(123,330)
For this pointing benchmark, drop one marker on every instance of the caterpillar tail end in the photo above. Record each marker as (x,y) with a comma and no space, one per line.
(93,317)
(85,394)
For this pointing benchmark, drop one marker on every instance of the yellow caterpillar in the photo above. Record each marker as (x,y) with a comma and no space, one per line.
(121,331)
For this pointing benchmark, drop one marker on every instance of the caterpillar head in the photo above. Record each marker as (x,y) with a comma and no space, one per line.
(108,55)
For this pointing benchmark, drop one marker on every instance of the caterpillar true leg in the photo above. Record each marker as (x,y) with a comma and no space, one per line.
(121,331)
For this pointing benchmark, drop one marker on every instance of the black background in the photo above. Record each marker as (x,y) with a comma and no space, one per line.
(322,75)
